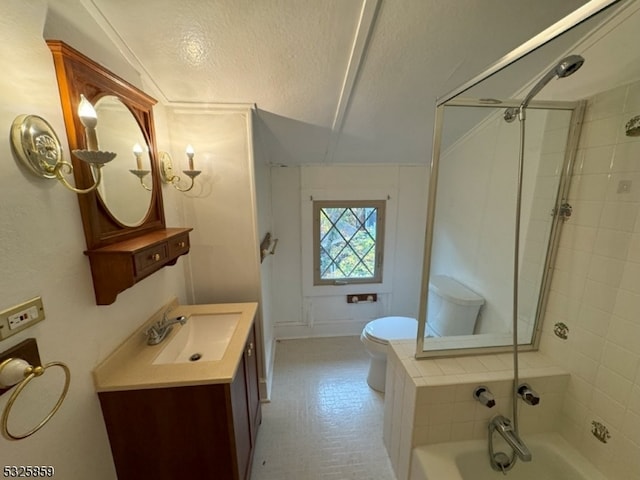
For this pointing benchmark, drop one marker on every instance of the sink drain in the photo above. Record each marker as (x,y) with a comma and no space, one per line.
(195,357)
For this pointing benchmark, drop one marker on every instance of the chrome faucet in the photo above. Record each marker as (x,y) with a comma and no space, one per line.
(528,394)
(157,332)
(503,426)
(484,396)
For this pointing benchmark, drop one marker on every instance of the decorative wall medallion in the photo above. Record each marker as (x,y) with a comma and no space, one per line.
(600,431)
(632,128)
(561,330)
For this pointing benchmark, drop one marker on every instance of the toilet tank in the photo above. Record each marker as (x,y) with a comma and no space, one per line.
(452,308)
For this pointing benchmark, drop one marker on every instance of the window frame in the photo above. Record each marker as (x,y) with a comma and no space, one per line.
(380,206)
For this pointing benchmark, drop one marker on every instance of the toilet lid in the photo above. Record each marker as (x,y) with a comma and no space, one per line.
(391,328)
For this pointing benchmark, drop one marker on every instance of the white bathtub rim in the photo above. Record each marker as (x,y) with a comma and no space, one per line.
(440,457)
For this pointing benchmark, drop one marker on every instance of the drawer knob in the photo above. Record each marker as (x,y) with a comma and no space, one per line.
(181,244)
(156,257)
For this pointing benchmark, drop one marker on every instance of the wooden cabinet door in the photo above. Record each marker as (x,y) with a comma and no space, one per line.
(241,421)
(253,395)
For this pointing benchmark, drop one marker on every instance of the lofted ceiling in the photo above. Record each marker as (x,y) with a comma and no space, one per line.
(334,81)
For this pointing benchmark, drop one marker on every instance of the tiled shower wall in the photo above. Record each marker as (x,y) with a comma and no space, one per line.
(596,288)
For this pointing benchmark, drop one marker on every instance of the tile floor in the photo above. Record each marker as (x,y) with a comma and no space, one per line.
(323,421)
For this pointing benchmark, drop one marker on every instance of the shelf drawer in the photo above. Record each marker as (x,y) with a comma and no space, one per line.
(150,259)
(178,245)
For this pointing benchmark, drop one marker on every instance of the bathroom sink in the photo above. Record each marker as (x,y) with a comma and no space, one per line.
(203,338)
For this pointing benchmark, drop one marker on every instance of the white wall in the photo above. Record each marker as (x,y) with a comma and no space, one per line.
(301,310)
(221,206)
(596,288)
(42,243)
(265,225)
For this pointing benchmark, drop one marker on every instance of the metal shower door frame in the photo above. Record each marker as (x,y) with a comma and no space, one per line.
(575,124)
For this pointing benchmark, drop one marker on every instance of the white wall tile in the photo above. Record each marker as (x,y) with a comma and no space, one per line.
(596,160)
(625,157)
(627,306)
(589,187)
(607,104)
(624,333)
(621,361)
(587,343)
(633,254)
(584,367)
(614,193)
(631,427)
(611,411)
(612,243)
(594,320)
(613,385)
(606,270)
(600,296)
(632,102)
(634,400)
(600,132)
(578,239)
(586,213)
(619,216)
(631,277)
(574,410)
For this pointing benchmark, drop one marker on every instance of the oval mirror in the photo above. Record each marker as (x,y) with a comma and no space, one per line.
(125,189)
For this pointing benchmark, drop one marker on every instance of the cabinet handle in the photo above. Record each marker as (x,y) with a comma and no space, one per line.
(249,352)
(155,257)
(181,244)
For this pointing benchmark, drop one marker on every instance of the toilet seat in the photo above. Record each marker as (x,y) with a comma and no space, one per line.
(384,329)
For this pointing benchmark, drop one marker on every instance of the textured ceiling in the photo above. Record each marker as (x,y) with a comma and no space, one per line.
(334,81)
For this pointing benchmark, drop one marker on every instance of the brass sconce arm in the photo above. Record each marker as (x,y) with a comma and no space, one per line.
(166,169)
(36,145)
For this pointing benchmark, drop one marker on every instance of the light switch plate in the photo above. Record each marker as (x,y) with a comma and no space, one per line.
(21,317)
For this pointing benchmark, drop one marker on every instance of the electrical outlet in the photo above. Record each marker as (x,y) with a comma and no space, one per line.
(20,317)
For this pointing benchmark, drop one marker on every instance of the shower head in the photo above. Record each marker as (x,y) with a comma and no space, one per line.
(568,65)
(562,69)
(565,67)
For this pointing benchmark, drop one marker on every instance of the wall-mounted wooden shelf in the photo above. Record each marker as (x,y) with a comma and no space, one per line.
(118,266)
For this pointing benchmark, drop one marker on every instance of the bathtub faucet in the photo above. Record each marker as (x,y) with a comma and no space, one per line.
(503,426)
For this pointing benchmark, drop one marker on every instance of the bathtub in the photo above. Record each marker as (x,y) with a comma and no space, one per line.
(553,459)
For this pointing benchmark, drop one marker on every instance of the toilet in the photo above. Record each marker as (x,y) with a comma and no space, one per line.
(452,310)
(376,335)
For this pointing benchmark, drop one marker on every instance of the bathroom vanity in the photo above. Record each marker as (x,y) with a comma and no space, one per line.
(168,417)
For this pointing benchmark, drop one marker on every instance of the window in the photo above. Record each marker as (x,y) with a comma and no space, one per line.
(348,238)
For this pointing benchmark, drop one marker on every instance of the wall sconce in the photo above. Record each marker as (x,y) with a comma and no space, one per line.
(166,168)
(37,146)
(139,172)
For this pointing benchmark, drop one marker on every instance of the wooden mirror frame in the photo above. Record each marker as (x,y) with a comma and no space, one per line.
(120,255)
(77,75)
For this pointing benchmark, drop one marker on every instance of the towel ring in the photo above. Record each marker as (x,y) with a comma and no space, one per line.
(31,372)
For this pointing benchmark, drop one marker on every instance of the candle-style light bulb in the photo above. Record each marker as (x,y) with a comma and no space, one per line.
(137,151)
(190,152)
(89,120)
